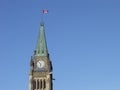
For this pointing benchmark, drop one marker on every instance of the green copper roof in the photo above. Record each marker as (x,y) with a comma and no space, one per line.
(41,48)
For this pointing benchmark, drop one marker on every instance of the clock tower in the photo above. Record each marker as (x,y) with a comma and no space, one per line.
(40,77)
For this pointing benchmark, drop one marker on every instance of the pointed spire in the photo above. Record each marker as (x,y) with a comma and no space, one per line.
(41,48)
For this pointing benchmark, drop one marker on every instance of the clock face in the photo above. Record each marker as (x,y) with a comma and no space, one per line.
(40,64)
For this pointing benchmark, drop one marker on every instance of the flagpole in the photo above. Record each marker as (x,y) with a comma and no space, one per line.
(42,21)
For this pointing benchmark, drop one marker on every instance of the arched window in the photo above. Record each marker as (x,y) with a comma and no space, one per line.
(34,84)
(40,84)
(37,84)
(44,84)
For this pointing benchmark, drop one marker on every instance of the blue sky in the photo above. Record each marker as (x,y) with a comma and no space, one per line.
(83,38)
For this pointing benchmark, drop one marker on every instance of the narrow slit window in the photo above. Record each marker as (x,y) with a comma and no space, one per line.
(40,84)
(37,84)
(44,83)
(34,84)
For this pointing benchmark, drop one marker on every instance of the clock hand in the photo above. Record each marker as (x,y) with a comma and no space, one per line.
(40,64)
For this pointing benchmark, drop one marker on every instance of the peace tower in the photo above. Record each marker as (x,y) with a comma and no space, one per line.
(40,77)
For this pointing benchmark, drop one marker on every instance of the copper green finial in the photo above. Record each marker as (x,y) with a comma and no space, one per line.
(41,48)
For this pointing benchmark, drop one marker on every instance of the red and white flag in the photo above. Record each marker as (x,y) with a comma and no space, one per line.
(44,11)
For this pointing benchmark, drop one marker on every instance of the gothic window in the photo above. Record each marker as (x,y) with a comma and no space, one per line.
(37,84)
(42,51)
(40,84)
(34,84)
(44,84)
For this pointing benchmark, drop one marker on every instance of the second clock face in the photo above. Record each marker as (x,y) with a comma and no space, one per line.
(40,64)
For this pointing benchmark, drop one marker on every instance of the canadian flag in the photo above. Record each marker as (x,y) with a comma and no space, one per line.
(44,11)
